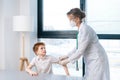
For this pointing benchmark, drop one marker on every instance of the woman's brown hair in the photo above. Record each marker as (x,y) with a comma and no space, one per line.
(76,12)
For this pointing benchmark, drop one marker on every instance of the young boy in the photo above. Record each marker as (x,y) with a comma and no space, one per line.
(42,62)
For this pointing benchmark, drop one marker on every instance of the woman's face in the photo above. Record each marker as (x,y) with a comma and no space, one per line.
(74,19)
(71,17)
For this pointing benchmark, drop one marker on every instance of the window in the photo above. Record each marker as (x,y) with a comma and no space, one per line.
(52,19)
(54,15)
(113,52)
(103,16)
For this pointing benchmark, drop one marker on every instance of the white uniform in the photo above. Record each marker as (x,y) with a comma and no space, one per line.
(95,58)
(44,65)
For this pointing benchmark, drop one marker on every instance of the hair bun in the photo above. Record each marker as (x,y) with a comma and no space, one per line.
(82,15)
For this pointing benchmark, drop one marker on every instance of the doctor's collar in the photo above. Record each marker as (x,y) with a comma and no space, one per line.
(81,25)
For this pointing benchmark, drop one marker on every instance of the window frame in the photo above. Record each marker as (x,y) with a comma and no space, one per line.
(63,34)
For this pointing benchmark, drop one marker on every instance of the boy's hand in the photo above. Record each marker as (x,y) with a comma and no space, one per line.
(32,73)
(63,57)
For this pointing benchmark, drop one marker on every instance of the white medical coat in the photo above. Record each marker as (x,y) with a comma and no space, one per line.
(95,58)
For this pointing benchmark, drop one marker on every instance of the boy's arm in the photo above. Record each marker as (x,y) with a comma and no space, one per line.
(32,73)
(54,60)
(57,60)
(66,70)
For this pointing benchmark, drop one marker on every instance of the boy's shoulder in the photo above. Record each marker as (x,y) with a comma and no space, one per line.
(50,56)
(35,57)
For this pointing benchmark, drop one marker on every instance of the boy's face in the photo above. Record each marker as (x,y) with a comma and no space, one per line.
(41,50)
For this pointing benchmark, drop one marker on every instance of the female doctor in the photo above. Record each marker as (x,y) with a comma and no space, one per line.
(95,58)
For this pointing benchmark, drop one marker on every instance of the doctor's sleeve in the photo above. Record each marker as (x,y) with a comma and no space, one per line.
(83,42)
(71,52)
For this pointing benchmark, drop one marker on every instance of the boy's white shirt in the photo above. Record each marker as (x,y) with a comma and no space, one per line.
(44,65)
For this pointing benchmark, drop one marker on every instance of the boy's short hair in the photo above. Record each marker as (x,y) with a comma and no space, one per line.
(36,46)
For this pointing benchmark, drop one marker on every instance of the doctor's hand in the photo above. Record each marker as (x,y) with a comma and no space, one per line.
(64,62)
(63,57)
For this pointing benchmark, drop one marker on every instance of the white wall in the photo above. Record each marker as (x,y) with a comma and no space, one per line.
(33,36)
(10,42)
(2,61)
